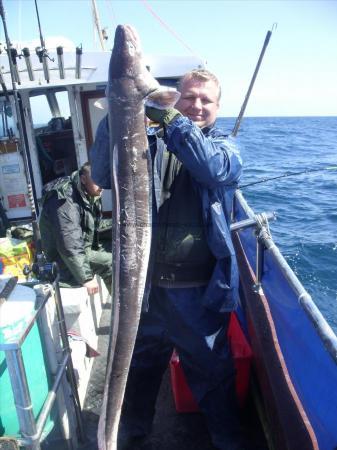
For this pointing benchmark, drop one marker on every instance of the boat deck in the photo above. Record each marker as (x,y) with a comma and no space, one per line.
(171,430)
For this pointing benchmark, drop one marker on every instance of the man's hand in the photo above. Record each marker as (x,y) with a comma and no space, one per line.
(92,287)
(161,116)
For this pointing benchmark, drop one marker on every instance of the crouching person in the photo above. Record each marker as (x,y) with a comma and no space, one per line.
(69,222)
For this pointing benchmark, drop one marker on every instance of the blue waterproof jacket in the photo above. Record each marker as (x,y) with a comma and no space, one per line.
(214,162)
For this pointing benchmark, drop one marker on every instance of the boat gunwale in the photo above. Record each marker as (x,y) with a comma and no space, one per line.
(289,424)
(322,327)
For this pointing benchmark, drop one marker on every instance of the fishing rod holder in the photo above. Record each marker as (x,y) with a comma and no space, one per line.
(13,54)
(78,66)
(261,224)
(59,51)
(41,53)
(26,55)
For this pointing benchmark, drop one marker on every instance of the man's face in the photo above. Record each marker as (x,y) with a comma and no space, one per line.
(199,101)
(90,187)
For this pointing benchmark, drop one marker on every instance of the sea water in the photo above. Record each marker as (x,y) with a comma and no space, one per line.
(306,205)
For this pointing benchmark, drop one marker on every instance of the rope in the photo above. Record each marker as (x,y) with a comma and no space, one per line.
(170,30)
(263,229)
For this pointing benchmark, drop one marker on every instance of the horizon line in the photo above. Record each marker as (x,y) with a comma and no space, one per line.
(278,116)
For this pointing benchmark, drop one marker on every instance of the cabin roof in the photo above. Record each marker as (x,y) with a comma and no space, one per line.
(94,68)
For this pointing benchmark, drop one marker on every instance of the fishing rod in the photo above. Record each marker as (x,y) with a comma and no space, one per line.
(286,175)
(243,107)
(21,134)
(97,23)
(42,51)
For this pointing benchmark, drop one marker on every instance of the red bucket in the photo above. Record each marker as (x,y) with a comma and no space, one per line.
(242,355)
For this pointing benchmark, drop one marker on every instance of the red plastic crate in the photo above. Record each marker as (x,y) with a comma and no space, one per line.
(242,355)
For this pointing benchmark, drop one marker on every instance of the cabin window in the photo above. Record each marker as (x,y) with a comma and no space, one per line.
(7,125)
(53,134)
(63,103)
(41,111)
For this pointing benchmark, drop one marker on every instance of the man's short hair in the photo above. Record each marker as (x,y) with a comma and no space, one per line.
(85,169)
(200,75)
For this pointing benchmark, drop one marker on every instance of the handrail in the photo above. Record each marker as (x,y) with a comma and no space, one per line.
(31,429)
(47,406)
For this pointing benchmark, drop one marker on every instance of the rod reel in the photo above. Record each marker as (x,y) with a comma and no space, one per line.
(44,271)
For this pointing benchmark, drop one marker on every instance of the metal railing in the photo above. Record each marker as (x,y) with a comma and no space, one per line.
(31,429)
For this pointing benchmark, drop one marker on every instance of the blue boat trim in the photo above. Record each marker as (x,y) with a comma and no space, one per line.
(323,328)
(307,343)
(288,423)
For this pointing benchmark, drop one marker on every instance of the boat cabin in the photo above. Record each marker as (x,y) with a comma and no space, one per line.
(60,105)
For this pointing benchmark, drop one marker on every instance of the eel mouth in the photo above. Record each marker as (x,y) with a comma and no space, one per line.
(162,98)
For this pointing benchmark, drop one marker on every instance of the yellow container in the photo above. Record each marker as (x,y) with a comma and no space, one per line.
(14,255)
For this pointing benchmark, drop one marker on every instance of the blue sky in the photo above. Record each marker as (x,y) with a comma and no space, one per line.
(298,75)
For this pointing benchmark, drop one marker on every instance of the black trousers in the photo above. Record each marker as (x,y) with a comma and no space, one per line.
(176,319)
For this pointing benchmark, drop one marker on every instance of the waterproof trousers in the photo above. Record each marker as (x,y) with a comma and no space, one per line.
(176,319)
(100,263)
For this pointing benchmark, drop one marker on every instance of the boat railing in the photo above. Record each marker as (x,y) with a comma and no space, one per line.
(32,429)
(265,242)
